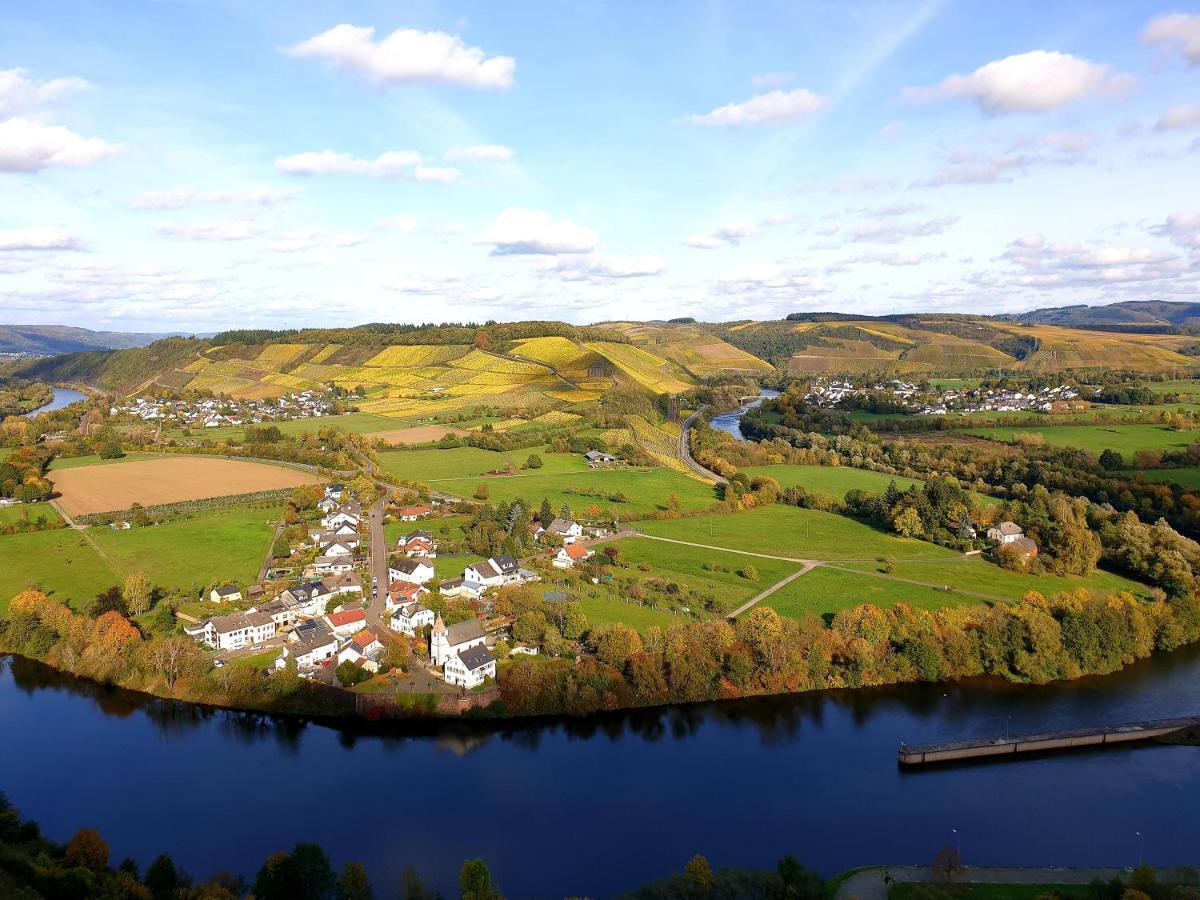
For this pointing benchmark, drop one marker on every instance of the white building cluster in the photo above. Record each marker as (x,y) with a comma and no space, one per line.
(213,413)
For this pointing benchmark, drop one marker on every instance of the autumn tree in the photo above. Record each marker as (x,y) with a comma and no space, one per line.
(354,883)
(138,592)
(475,881)
(88,849)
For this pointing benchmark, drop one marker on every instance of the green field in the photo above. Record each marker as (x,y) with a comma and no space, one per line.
(74,462)
(456,463)
(647,490)
(983,577)
(824,591)
(902,891)
(685,565)
(837,480)
(797,533)
(355,423)
(1188,477)
(211,547)
(600,611)
(60,562)
(29,511)
(1126,439)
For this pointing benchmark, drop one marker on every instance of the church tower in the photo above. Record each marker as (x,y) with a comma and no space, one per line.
(439,645)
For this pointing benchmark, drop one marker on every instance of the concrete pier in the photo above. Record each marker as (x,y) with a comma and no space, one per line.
(979,748)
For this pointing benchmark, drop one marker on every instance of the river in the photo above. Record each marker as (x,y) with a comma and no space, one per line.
(731,422)
(62,397)
(594,807)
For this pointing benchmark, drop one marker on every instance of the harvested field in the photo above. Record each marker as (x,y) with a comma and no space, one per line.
(421,434)
(93,489)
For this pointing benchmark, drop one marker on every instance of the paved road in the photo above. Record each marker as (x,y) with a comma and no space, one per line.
(379,565)
(868,884)
(685,452)
(782,583)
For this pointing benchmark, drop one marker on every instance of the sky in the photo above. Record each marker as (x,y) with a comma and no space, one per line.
(195,165)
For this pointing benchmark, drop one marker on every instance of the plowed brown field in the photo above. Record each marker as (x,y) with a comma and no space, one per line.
(418,435)
(92,489)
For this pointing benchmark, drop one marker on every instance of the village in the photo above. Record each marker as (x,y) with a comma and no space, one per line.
(934,402)
(214,412)
(339,615)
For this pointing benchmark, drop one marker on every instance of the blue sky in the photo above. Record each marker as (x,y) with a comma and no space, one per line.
(179,165)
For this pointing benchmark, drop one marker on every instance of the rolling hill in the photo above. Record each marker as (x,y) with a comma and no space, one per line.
(1148,316)
(48,340)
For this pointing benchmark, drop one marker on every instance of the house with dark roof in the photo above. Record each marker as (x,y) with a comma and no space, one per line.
(566,530)
(409,618)
(226,593)
(417,570)
(471,667)
(445,642)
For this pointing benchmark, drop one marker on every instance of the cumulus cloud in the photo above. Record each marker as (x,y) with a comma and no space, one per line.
(1181,228)
(436,174)
(307,240)
(1046,265)
(733,233)
(392,164)
(597,269)
(1177,33)
(762,109)
(183,197)
(1027,82)
(1068,141)
(782,280)
(21,94)
(518,231)
(482,153)
(1179,118)
(888,258)
(891,230)
(232,230)
(29,146)
(408,56)
(968,167)
(38,239)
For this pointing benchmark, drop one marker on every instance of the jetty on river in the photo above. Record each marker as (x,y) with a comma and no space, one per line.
(980,748)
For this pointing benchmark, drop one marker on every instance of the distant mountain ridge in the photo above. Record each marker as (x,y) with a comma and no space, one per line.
(1146,316)
(54,339)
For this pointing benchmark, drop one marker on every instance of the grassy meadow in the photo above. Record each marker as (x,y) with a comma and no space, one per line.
(61,562)
(824,591)
(1125,439)
(31,512)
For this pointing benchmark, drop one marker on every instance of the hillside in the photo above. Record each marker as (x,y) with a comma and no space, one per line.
(48,340)
(1148,316)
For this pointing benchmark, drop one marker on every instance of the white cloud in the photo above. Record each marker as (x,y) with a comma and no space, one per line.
(1045,265)
(392,164)
(968,167)
(1179,117)
(29,146)
(596,268)
(38,239)
(1182,228)
(182,197)
(889,258)
(766,80)
(785,281)
(407,56)
(20,94)
(436,174)
(891,129)
(727,235)
(776,106)
(519,231)
(890,230)
(1027,82)
(233,230)
(1178,32)
(1068,141)
(482,153)
(401,223)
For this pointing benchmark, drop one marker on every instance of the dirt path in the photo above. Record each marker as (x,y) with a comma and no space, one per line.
(869,884)
(782,583)
(82,531)
(991,598)
(654,537)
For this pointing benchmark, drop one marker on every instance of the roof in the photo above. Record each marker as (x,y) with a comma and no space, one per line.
(476,657)
(485,569)
(577,551)
(461,632)
(450,584)
(505,564)
(1023,543)
(418,510)
(409,566)
(408,610)
(238,621)
(418,536)
(348,617)
(560,526)
(364,638)
(227,590)
(1010,528)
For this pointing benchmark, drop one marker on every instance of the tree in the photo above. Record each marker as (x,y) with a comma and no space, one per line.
(414,886)
(750,573)
(612,553)
(173,657)
(110,450)
(110,600)
(546,513)
(574,623)
(533,462)
(475,881)
(303,874)
(162,878)
(354,883)
(349,674)
(482,492)
(908,523)
(138,593)
(88,849)
(564,511)
(1112,460)
(699,874)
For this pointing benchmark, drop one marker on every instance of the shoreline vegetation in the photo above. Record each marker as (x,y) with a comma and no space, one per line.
(33,866)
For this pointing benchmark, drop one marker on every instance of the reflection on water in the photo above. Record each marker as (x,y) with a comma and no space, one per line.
(731,422)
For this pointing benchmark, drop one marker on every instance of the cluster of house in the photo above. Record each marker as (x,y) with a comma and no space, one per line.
(212,413)
(1010,534)
(832,393)
(336,539)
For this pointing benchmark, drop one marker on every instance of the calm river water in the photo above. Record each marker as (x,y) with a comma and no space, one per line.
(62,397)
(599,806)
(731,422)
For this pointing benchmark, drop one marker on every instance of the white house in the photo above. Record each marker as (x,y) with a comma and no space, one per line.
(233,632)
(447,642)
(413,513)
(310,644)
(595,457)
(345,583)
(310,598)
(494,572)
(570,554)
(402,592)
(419,543)
(565,529)
(342,516)
(364,648)
(337,548)
(417,570)
(409,618)
(332,565)
(468,668)
(1005,532)
(335,492)
(226,593)
(347,622)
